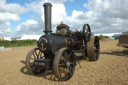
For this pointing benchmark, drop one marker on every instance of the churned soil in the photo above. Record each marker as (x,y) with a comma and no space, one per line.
(110,69)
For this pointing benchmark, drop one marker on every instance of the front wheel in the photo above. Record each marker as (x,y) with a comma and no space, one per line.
(32,65)
(64,64)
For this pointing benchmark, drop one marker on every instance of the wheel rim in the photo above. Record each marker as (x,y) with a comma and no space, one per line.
(34,66)
(96,47)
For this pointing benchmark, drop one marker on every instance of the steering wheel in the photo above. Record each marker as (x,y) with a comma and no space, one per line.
(86,32)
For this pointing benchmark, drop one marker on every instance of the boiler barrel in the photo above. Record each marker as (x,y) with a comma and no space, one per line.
(51,43)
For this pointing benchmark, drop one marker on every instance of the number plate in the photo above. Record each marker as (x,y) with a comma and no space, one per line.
(40,63)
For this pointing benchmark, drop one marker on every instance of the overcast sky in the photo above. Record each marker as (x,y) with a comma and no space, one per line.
(18,17)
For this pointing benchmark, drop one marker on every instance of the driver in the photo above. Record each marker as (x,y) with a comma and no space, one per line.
(62,25)
(63,29)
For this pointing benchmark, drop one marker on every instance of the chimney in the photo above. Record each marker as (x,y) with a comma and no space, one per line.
(47,17)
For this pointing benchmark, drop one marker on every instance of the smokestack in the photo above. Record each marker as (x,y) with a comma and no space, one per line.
(47,17)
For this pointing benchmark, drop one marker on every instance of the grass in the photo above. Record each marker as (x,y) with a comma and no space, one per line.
(102,37)
(18,43)
(21,43)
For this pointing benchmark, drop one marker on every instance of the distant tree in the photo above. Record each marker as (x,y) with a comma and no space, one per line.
(101,37)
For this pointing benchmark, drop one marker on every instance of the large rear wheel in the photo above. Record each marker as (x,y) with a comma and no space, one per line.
(64,64)
(93,49)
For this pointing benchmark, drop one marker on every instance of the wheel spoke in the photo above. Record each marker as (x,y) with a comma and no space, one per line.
(68,57)
(62,62)
(32,58)
(67,70)
(34,55)
(63,72)
(32,67)
(32,63)
(41,55)
(38,54)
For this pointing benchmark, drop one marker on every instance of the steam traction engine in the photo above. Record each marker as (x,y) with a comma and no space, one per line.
(59,51)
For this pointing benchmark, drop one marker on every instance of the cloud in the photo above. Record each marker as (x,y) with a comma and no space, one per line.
(104,16)
(9,12)
(58,1)
(110,14)
(28,27)
(109,8)
(5,28)
(99,20)
(9,16)
(38,9)
(12,7)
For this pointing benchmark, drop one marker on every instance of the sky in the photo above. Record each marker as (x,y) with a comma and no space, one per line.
(19,17)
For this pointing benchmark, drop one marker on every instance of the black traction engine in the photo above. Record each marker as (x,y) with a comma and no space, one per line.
(60,51)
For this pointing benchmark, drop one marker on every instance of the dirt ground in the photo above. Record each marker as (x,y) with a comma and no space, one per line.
(110,69)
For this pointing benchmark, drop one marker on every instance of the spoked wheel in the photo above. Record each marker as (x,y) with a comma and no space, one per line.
(64,64)
(32,65)
(93,49)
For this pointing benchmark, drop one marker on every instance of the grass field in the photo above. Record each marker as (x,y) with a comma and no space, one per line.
(18,43)
(21,43)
